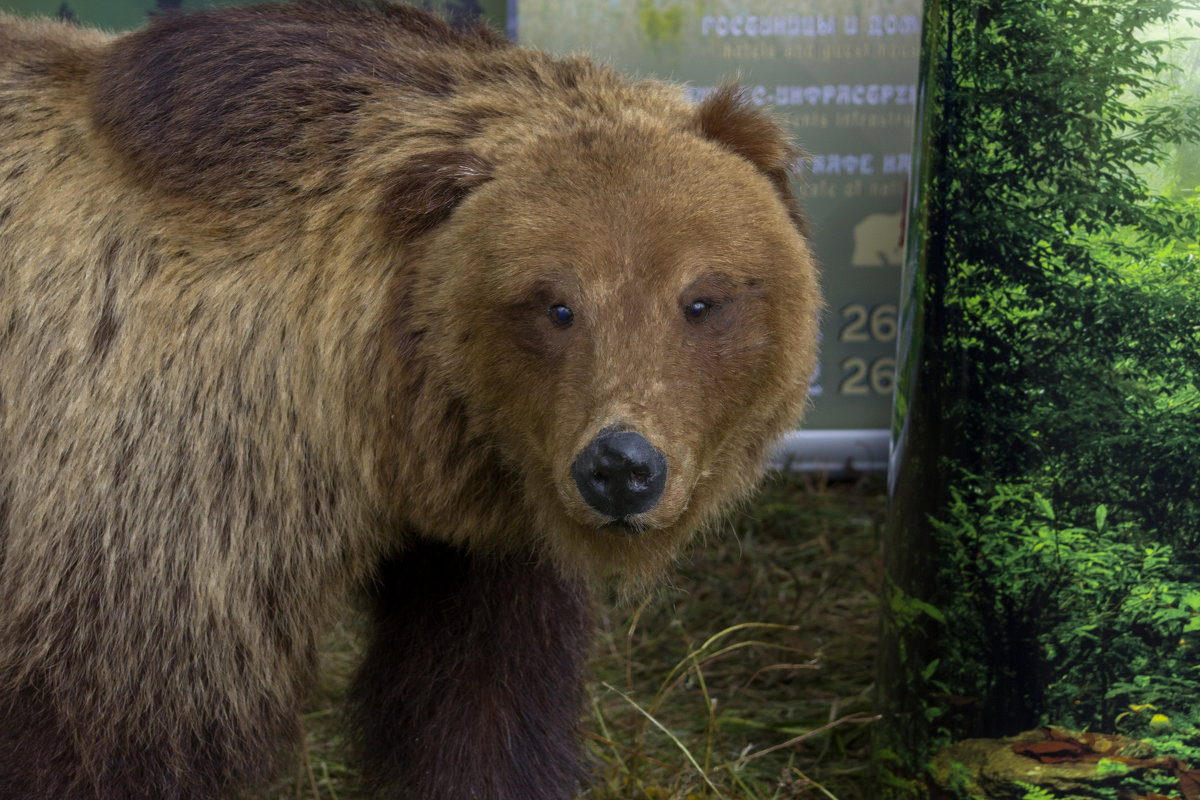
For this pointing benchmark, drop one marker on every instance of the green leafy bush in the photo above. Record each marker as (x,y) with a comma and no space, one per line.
(1073,621)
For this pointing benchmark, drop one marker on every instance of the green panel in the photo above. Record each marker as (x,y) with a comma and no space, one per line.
(108,14)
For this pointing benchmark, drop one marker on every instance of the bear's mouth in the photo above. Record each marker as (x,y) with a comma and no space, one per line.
(626,525)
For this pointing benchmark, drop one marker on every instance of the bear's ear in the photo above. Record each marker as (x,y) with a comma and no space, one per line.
(426,190)
(727,117)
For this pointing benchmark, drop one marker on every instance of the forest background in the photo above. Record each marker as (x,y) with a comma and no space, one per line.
(1049,403)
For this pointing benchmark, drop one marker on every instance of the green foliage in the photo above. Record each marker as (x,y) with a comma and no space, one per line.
(1064,367)
(1032,792)
(1091,387)
(1043,125)
(958,781)
(1072,623)
(1050,232)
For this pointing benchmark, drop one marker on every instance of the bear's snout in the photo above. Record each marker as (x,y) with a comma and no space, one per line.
(620,474)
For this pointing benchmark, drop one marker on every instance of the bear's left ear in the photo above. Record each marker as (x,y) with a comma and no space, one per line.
(427,188)
(727,117)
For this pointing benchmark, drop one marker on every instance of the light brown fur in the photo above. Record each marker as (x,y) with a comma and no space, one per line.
(244,362)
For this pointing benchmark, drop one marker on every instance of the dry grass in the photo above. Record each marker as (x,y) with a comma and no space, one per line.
(749,677)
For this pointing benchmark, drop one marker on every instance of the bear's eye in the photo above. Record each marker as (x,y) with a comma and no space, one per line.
(561,316)
(697,310)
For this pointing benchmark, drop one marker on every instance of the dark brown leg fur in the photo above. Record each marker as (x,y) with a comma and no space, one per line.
(472,684)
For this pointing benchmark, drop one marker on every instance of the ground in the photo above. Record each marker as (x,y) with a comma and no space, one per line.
(749,677)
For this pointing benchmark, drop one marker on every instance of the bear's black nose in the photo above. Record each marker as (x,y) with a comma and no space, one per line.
(620,474)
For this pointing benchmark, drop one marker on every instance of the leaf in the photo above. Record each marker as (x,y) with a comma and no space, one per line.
(1191,600)
(931,610)
(1044,506)
(1101,516)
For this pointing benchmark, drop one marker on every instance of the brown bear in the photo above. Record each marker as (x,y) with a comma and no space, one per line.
(319,300)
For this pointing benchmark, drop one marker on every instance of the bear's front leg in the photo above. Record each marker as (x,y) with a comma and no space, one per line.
(472,684)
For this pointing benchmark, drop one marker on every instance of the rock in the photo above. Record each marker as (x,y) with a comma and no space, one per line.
(990,769)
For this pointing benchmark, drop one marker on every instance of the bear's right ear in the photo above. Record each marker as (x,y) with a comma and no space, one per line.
(727,117)
(425,191)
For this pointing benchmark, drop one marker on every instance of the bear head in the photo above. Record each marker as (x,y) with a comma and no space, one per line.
(628,308)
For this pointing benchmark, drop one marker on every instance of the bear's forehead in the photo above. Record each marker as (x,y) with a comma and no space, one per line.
(633,187)
(638,240)
(613,153)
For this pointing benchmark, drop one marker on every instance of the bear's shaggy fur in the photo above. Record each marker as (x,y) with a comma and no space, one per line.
(306,300)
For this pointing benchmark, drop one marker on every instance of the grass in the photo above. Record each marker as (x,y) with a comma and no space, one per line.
(749,676)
